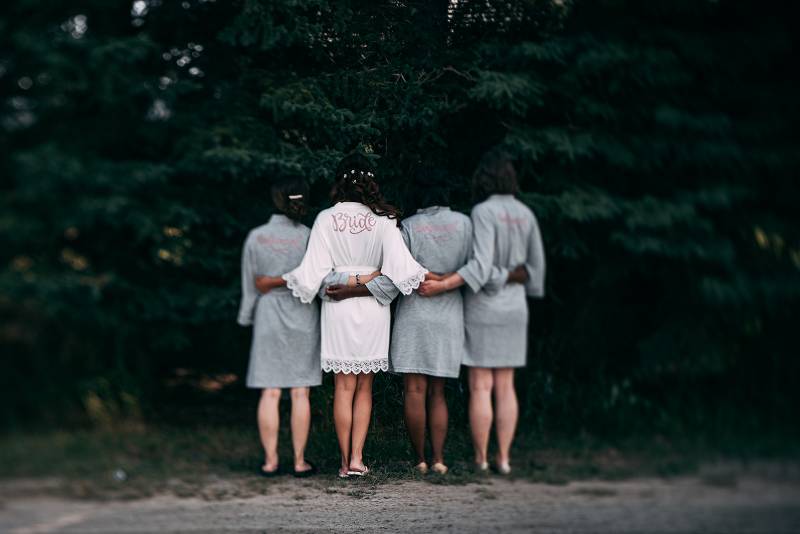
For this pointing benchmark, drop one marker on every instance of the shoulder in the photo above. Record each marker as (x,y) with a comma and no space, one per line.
(324,215)
(524,208)
(457,216)
(302,229)
(482,209)
(409,222)
(255,232)
(384,221)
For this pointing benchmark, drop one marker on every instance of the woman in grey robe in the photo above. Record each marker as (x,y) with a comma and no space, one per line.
(505,235)
(286,337)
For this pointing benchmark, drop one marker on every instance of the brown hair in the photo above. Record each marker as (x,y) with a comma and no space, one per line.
(495,175)
(290,197)
(355,182)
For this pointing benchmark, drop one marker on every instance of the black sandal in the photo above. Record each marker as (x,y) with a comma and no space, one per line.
(307,473)
(269,474)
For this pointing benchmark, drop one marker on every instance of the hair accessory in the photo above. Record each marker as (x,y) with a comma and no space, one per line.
(352,171)
(370,174)
(295,197)
(354,180)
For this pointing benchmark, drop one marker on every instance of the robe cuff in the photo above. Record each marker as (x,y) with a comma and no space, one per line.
(469,278)
(534,287)
(379,293)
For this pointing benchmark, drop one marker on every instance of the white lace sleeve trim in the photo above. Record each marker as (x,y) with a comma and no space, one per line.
(294,286)
(410,284)
(330,365)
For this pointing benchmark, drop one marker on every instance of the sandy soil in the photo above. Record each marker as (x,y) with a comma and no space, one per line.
(704,503)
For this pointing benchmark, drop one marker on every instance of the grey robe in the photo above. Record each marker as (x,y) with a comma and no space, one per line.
(428,332)
(285,350)
(505,235)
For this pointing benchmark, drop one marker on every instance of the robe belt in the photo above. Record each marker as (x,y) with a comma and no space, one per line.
(360,269)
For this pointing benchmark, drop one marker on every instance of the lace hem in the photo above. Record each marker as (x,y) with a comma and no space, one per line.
(294,286)
(410,284)
(355,366)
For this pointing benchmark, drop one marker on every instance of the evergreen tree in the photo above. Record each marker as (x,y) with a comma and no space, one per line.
(654,141)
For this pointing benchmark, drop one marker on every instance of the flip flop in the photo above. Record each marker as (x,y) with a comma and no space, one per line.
(269,474)
(307,473)
(358,472)
(421,468)
(343,474)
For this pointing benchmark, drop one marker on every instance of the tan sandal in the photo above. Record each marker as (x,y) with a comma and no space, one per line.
(422,468)
(439,468)
(358,472)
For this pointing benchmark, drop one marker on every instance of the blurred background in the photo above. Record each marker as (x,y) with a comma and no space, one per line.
(656,141)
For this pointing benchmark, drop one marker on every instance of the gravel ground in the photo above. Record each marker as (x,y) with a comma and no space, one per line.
(768,503)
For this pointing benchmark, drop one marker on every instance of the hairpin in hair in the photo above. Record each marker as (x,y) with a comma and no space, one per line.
(295,197)
(354,180)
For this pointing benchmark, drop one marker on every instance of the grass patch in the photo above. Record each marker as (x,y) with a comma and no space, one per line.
(219,463)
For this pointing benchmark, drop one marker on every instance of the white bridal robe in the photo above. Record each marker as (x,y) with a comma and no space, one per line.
(349,238)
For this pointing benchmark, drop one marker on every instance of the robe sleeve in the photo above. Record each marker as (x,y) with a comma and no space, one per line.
(383,289)
(304,281)
(535,262)
(332,278)
(398,264)
(478,269)
(250,294)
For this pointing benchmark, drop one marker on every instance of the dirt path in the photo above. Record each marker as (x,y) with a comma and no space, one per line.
(686,504)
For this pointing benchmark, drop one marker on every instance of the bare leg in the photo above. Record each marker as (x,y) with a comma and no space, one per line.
(506,410)
(345,388)
(362,412)
(480,410)
(437,418)
(414,411)
(301,422)
(268,425)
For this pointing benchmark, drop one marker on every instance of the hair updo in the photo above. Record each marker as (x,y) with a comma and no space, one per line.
(355,182)
(290,197)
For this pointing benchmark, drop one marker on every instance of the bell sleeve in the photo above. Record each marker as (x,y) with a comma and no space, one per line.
(398,264)
(535,262)
(250,294)
(304,281)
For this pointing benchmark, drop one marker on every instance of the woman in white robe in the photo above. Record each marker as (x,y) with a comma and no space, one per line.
(358,235)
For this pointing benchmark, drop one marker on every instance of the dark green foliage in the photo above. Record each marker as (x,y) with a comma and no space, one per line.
(655,141)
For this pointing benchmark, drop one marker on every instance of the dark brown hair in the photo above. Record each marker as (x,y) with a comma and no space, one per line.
(495,175)
(290,197)
(355,182)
